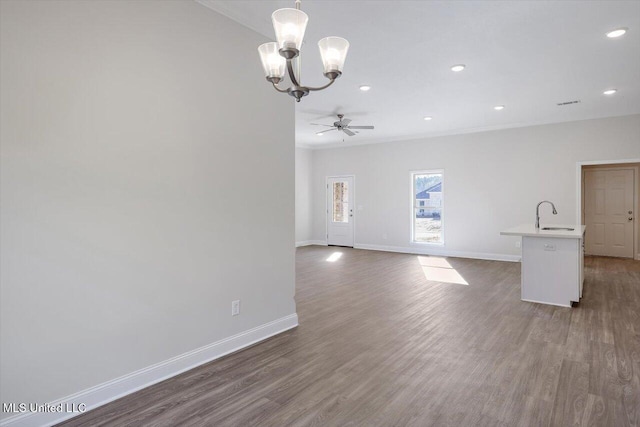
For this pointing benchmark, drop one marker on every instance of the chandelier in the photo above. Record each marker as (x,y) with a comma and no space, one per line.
(289,26)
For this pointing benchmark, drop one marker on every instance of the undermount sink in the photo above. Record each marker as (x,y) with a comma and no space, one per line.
(558,228)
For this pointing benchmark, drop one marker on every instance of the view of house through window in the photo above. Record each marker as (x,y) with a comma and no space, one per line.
(340,202)
(427,207)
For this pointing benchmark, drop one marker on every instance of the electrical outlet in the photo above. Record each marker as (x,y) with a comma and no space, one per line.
(235,307)
(384,236)
(518,243)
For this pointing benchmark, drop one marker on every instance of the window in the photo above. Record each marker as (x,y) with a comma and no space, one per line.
(340,202)
(427,207)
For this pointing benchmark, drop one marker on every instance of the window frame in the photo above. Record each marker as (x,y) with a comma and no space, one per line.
(412,201)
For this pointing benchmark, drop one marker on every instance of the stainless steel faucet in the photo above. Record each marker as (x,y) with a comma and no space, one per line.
(555,212)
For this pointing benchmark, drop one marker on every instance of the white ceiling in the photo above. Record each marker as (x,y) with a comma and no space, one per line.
(527,55)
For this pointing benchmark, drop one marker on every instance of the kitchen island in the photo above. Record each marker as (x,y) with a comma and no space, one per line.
(552,263)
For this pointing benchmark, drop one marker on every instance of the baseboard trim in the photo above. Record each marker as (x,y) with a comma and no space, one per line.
(439,251)
(311,242)
(109,391)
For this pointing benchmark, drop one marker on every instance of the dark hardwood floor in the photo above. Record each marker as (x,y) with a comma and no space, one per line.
(381,345)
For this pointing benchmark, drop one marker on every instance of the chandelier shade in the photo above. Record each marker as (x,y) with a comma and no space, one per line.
(289,26)
(333,51)
(272,63)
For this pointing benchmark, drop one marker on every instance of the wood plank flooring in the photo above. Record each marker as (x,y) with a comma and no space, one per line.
(381,345)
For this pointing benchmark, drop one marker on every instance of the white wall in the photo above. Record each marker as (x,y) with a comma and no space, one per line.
(303,196)
(137,143)
(493,181)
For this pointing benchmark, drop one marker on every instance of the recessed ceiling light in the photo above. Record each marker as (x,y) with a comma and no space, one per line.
(365,88)
(319,133)
(427,118)
(498,107)
(457,68)
(610,91)
(616,33)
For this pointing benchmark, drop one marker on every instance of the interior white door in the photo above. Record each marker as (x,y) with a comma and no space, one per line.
(340,211)
(608,212)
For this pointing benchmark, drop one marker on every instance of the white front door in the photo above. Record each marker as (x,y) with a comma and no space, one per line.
(340,211)
(608,212)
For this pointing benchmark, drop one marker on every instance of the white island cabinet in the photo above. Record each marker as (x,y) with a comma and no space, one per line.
(552,263)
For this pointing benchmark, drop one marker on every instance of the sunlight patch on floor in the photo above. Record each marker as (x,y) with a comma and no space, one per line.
(334,257)
(437,269)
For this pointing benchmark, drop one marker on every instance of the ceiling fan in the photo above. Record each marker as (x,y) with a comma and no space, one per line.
(341,125)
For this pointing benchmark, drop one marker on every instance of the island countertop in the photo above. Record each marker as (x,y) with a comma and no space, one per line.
(529,230)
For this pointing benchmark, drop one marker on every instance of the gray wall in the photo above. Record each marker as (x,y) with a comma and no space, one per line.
(147,181)
(493,180)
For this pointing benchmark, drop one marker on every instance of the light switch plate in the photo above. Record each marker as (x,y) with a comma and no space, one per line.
(235,307)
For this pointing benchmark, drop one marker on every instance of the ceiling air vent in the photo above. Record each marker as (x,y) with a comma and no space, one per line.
(562,104)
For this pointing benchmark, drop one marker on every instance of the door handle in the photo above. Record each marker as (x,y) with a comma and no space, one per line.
(630,218)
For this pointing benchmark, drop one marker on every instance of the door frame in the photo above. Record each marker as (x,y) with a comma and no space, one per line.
(326,206)
(580,194)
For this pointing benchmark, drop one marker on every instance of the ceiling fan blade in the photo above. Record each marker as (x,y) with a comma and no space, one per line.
(345,122)
(320,124)
(325,131)
(360,127)
(348,132)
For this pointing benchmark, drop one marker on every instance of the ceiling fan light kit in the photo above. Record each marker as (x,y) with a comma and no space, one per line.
(289,26)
